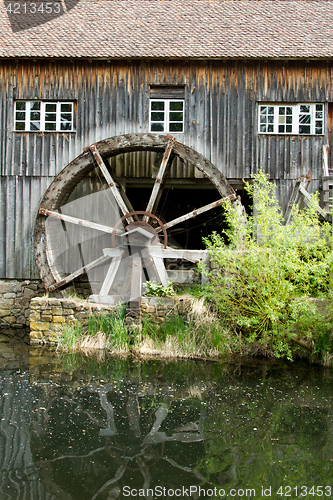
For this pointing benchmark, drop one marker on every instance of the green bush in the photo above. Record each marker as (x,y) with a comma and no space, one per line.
(266,274)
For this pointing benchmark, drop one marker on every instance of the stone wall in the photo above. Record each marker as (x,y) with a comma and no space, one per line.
(48,316)
(15,297)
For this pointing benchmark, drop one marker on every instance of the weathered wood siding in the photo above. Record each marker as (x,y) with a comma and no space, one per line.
(112,98)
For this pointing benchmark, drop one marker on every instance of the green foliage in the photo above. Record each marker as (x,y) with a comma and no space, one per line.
(70,335)
(263,285)
(158,290)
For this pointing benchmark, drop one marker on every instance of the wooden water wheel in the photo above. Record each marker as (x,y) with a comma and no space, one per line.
(139,230)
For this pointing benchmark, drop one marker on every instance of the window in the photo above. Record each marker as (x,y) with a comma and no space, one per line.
(166,115)
(291,119)
(40,116)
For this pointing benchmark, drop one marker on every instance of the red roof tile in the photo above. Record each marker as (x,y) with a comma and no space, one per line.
(172,29)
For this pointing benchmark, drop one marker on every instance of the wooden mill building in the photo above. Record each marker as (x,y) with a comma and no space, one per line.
(246,85)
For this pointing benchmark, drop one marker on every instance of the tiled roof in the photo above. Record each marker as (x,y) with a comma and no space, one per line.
(172,29)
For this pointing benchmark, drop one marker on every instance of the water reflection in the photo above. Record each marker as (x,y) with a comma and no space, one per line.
(74,427)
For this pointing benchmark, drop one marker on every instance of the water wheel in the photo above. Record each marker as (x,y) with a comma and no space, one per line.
(138,237)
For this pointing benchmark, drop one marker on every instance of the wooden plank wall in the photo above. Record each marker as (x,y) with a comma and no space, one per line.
(112,97)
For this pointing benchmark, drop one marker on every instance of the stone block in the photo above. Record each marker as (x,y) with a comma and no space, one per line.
(9,296)
(69,304)
(5,312)
(10,319)
(54,302)
(22,302)
(29,293)
(46,309)
(33,286)
(46,317)
(35,316)
(6,303)
(35,325)
(57,311)
(36,335)
(67,312)
(58,319)
(82,316)
(39,301)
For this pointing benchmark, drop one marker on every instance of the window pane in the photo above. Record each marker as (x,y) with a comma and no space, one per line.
(282,111)
(35,115)
(20,126)
(20,115)
(35,105)
(66,126)
(263,118)
(66,117)
(177,117)
(319,107)
(270,128)
(157,127)
(281,128)
(157,106)
(304,129)
(50,126)
(176,106)
(319,127)
(289,111)
(263,110)
(50,117)
(304,119)
(66,108)
(20,105)
(270,110)
(50,107)
(289,119)
(305,108)
(263,128)
(176,127)
(319,114)
(289,128)
(159,117)
(34,125)
(270,119)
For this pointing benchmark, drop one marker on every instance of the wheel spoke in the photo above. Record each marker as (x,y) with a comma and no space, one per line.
(75,220)
(77,273)
(119,199)
(159,179)
(196,212)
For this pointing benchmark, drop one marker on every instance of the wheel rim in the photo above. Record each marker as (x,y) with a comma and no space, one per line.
(94,157)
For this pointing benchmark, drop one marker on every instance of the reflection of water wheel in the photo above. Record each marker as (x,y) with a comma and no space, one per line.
(142,235)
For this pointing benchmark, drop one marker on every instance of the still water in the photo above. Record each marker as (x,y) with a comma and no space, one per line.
(94,428)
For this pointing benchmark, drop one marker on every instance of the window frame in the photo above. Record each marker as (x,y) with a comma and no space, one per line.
(42,115)
(296,114)
(166,122)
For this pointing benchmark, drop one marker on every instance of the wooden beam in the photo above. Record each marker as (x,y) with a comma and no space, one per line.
(99,160)
(159,179)
(112,271)
(196,212)
(77,273)
(75,220)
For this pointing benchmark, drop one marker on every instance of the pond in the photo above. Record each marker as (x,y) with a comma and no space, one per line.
(79,427)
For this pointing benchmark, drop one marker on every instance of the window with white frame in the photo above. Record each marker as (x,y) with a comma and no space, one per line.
(41,116)
(296,119)
(166,115)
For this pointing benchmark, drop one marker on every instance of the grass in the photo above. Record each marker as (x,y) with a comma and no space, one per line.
(198,334)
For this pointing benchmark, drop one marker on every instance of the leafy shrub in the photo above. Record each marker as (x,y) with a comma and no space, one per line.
(263,285)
